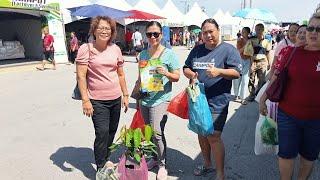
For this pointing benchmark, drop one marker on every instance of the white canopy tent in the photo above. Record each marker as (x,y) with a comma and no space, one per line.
(219,16)
(148,6)
(66,14)
(174,16)
(230,20)
(195,16)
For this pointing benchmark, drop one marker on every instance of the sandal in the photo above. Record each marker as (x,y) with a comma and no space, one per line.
(202,171)
(40,69)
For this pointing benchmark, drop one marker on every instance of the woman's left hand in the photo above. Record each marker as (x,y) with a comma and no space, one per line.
(125,103)
(162,70)
(212,72)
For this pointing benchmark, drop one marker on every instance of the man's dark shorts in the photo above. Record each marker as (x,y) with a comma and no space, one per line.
(298,136)
(138,48)
(48,55)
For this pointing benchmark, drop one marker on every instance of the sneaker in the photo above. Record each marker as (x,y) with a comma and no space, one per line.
(162,174)
(151,163)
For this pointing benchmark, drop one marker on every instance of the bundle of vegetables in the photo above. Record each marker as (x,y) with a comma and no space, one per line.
(137,143)
(269,134)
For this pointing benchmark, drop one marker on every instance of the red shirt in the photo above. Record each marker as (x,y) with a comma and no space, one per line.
(301,96)
(47,40)
(128,36)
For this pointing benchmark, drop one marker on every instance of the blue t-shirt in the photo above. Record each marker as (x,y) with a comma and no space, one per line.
(224,56)
(170,61)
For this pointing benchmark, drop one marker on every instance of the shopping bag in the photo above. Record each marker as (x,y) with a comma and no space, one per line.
(130,170)
(260,147)
(137,121)
(248,49)
(108,172)
(200,118)
(179,105)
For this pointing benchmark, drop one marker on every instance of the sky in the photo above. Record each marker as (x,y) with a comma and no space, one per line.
(284,10)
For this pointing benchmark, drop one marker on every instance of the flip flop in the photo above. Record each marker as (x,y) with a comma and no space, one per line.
(202,171)
(40,69)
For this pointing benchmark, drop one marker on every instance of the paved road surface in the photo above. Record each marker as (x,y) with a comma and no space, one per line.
(45,136)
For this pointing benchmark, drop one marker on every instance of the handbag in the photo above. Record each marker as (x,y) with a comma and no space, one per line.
(275,90)
(76,95)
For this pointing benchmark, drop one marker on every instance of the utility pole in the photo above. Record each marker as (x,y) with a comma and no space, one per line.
(186,5)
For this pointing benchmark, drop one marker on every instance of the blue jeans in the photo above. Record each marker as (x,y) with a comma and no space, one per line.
(241,83)
(297,136)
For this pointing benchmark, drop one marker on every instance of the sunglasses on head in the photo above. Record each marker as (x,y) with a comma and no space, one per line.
(154,34)
(312,28)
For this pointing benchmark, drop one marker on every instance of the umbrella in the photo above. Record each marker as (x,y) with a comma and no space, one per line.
(256,14)
(99,10)
(143,15)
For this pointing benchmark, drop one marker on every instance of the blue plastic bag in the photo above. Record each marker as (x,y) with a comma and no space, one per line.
(200,118)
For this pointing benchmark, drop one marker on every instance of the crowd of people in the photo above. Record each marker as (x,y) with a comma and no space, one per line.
(102,84)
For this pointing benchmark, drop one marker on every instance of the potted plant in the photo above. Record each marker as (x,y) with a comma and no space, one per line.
(137,142)
(138,145)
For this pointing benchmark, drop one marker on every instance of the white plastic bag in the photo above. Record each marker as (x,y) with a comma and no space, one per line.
(261,91)
(259,147)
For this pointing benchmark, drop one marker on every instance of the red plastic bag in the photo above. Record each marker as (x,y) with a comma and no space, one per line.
(179,105)
(137,121)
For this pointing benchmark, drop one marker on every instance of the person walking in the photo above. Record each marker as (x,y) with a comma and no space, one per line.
(285,42)
(298,115)
(48,49)
(74,46)
(137,41)
(240,85)
(128,40)
(224,64)
(102,84)
(260,61)
(154,106)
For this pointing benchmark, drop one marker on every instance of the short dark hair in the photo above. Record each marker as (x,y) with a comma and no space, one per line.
(260,24)
(154,23)
(95,22)
(293,24)
(211,21)
(301,26)
(247,29)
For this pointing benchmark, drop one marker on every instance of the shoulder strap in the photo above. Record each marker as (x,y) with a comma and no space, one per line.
(161,53)
(290,57)
(286,41)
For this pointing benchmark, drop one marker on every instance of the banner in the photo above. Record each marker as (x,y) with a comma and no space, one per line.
(51,10)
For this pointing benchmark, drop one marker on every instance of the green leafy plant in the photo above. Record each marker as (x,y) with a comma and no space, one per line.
(137,143)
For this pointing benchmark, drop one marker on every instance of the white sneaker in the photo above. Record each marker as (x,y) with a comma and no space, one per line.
(162,174)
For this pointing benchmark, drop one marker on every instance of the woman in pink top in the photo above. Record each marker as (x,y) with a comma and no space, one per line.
(102,84)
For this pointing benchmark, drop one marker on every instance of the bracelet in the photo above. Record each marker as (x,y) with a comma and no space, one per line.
(85,101)
(126,95)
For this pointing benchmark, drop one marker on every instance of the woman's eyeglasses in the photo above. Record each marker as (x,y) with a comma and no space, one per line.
(312,28)
(103,29)
(154,34)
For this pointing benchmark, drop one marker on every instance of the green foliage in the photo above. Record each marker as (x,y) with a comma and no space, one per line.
(137,143)
(269,133)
